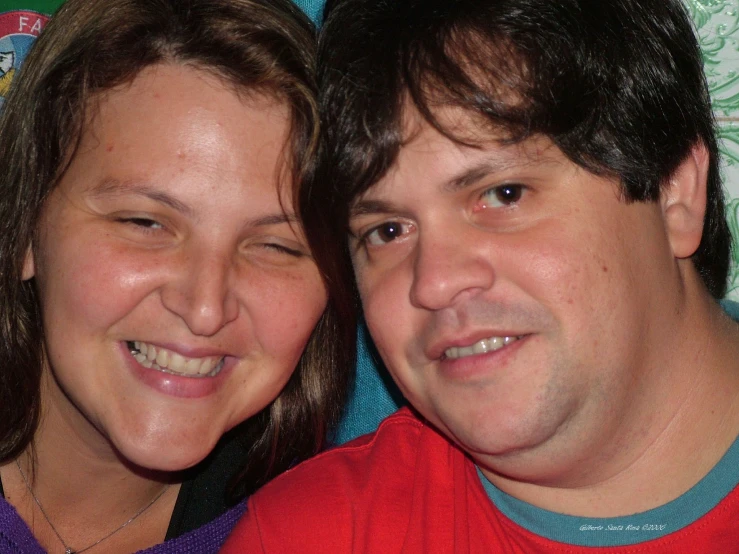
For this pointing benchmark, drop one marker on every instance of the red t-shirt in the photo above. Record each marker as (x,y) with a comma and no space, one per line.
(407,489)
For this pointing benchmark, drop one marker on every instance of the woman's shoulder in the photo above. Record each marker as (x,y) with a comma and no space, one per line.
(207,539)
(15,536)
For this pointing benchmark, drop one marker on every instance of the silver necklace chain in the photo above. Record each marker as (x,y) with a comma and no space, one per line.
(67,548)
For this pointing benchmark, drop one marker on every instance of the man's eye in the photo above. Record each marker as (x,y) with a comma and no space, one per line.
(502,195)
(386,232)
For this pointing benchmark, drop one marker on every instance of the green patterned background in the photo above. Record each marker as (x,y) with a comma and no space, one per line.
(718,28)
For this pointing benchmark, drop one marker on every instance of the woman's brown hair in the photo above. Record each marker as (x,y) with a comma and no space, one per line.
(257,46)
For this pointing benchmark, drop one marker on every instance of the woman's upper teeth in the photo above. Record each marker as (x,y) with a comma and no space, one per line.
(480,347)
(156,357)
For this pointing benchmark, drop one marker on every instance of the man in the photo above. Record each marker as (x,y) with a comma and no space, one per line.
(538,237)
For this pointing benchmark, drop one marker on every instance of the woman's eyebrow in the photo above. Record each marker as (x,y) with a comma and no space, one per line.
(273,219)
(115,187)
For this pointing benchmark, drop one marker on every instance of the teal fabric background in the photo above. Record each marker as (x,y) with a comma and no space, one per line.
(374,395)
(313,8)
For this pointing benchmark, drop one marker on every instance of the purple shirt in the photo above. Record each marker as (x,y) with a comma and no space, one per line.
(17,538)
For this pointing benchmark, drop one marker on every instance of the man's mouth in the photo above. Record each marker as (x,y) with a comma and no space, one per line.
(480,347)
(161,359)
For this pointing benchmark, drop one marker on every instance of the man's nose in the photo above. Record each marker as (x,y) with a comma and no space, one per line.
(449,265)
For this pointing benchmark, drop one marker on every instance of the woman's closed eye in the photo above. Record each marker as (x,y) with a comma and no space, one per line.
(283,249)
(142,226)
(142,222)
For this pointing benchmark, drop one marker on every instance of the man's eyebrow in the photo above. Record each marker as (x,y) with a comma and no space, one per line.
(477,172)
(114,187)
(467,177)
(370,207)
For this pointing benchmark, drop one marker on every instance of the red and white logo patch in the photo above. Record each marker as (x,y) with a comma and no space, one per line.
(18,30)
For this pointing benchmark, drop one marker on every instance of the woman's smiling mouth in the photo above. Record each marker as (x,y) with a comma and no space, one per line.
(167,361)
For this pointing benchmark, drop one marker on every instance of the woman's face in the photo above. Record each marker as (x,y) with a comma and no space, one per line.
(177,292)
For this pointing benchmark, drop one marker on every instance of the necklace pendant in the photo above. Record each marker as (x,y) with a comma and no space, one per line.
(69,551)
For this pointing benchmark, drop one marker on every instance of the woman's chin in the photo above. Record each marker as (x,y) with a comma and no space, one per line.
(168,456)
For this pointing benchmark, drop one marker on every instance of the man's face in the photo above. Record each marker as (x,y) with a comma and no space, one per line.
(510,293)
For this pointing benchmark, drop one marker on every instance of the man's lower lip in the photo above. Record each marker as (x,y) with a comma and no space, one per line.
(176,385)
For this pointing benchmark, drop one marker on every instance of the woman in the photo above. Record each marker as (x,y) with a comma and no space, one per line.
(158,288)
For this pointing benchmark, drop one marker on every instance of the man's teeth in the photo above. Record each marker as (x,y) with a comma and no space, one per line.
(161,359)
(480,347)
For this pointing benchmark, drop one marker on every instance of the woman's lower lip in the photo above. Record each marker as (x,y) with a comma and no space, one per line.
(479,366)
(177,385)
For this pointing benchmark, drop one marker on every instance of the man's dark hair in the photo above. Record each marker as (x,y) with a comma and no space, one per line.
(617,85)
